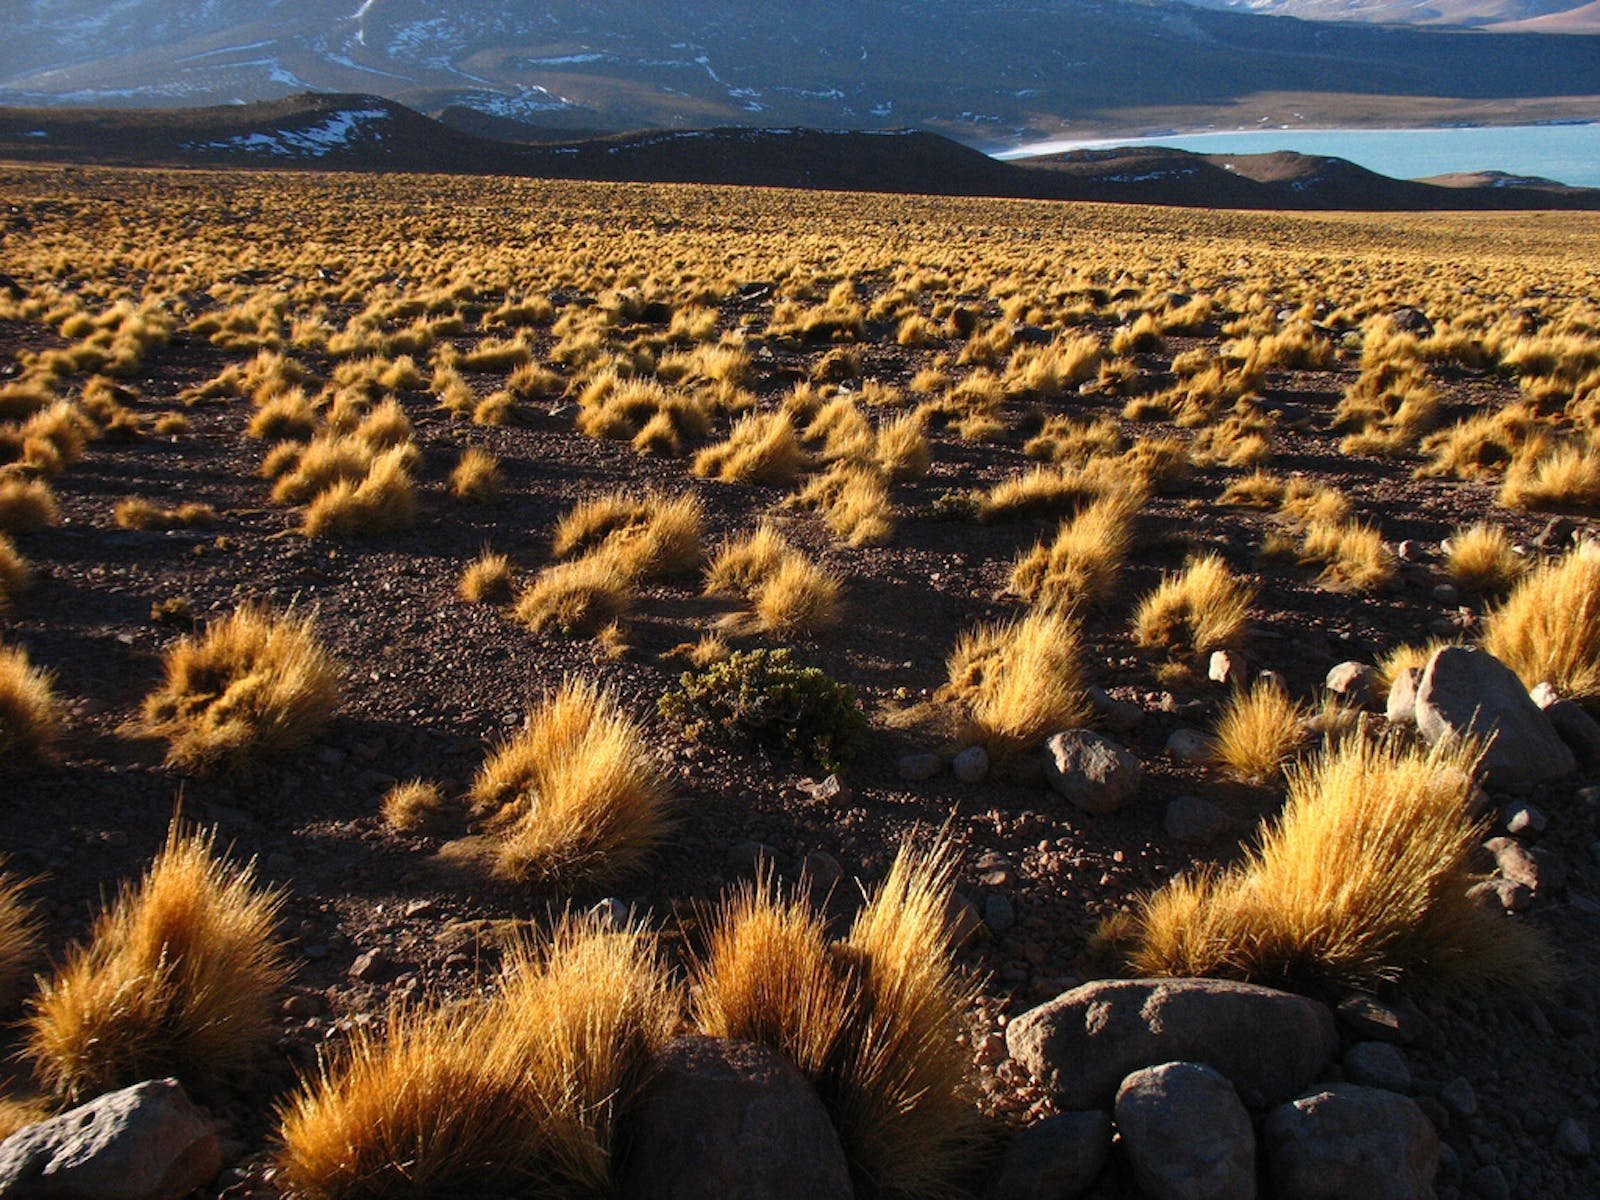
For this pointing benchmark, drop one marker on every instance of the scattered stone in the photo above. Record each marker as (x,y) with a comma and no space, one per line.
(1523,819)
(1572,1139)
(1377,1064)
(1228,667)
(1370,1018)
(1412,320)
(1446,593)
(821,870)
(1348,1140)
(1195,819)
(1489,1182)
(832,791)
(1577,729)
(1186,1133)
(1116,716)
(1459,1097)
(971,765)
(1188,745)
(1401,707)
(613,913)
(1410,551)
(1091,771)
(996,870)
(1059,1158)
(1273,679)
(145,1142)
(1557,533)
(963,917)
(368,966)
(917,768)
(1084,1043)
(1535,868)
(725,1118)
(1357,682)
(998,914)
(1503,895)
(1469,693)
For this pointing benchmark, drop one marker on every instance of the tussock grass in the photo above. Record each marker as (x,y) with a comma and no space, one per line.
(15,573)
(1086,558)
(1481,559)
(791,595)
(138,513)
(1064,440)
(382,501)
(1548,628)
(872,1020)
(1257,732)
(575,799)
(654,419)
(253,683)
(1258,489)
(1566,475)
(1050,491)
(1020,681)
(486,579)
(1352,556)
(577,598)
(743,563)
(902,449)
(1202,608)
(288,416)
(30,713)
(853,499)
(26,505)
(648,535)
(178,977)
(518,1092)
(20,929)
(761,448)
(1362,880)
(476,477)
(414,807)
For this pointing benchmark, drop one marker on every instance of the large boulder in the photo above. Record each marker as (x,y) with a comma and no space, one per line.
(1348,1141)
(725,1118)
(1186,1133)
(1469,693)
(145,1142)
(1084,1043)
(1092,771)
(1059,1158)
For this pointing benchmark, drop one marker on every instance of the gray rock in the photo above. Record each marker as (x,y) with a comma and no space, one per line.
(1186,1134)
(1470,693)
(971,765)
(1537,869)
(1195,819)
(1446,593)
(1368,1017)
(1228,667)
(1116,716)
(1488,1182)
(613,913)
(724,1118)
(1084,1043)
(1577,729)
(1459,1097)
(145,1142)
(1057,1159)
(1401,707)
(1572,1139)
(821,870)
(1522,819)
(1347,1141)
(916,768)
(998,914)
(751,858)
(1356,681)
(1091,771)
(832,791)
(1410,551)
(1411,320)
(963,917)
(1377,1064)
(1188,745)
(1501,895)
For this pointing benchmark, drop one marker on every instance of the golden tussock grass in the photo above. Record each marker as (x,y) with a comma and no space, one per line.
(18,1113)
(1257,732)
(790,594)
(1481,559)
(1020,681)
(476,477)
(1406,658)
(1566,475)
(741,563)
(577,598)
(179,977)
(518,1092)
(575,798)
(1064,440)
(656,420)
(486,579)
(1548,628)
(1202,608)
(649,535)
(254,682)
(1086,558)
(26,505)
(382,501)
(1259,489)
(137,513)
(853,499)
(30,713)
(20,929)
(1050,491)
(415,807)
(1361,881)
(303,472)
(1305,503)
(761,448)
(902,449)
(1352,556)
(873,1020)
(285,417)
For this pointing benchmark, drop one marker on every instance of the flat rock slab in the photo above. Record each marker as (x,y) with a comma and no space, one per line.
(1081,1046)
(1470,693)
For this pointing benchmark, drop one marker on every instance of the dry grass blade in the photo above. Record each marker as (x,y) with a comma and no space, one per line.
(1205,607)
(1020,681)
(1548,629)
(1482,560)
(30,713)
(578,598)
(1257,732)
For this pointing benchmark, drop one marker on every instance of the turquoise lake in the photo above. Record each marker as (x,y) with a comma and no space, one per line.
(1568,153)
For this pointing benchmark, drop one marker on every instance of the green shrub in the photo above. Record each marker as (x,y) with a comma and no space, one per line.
(768,698)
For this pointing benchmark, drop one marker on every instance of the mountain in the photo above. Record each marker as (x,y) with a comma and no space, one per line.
(1532,16)
(370,133)
(990,72)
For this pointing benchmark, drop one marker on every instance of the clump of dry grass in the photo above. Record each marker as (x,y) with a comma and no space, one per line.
(1259,489)
(476,477)
(872,1020)
(1360,881)
(1548,628)
(578,598)
(761,448)
(648,535)
(382,501)
(575,799)
(1481,559)
(1083,562)
(1202,608)
(26,505)
(15,573)
(30,713)
(20,928)
(1020,681)
(178,978)
(1051,491)
(1257,732)
(486,579)
(137,513)
(518,1092)
(1563,475)
(253,682)
(853,499)
(655,420)
(791,595)
(414,807)
(744,562)
(1352,555)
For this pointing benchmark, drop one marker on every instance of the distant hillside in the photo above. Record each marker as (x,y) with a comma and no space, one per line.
(1498,16)
(368,133)
(990,72)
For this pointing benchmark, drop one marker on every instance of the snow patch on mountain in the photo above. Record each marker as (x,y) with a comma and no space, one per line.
(335,131)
